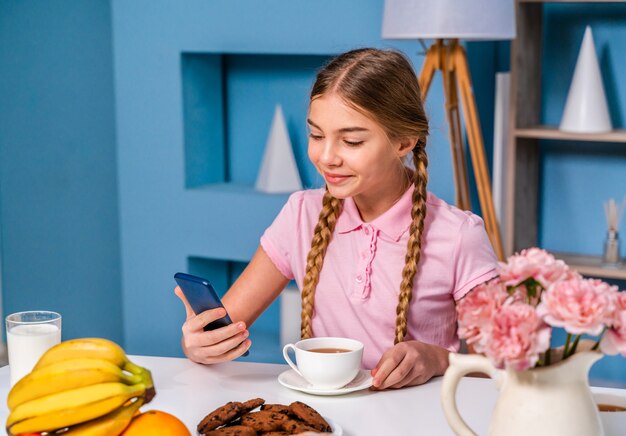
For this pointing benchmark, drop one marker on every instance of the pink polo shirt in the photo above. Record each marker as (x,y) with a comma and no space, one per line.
(359,284)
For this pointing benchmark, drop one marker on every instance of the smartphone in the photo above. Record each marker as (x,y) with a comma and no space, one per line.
(201,296)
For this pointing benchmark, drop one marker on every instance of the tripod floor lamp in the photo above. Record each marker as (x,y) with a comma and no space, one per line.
(445,22)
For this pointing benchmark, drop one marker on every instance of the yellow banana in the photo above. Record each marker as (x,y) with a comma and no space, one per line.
(67,408)
(108,425)
(96,348)
(66,375)
(92,348)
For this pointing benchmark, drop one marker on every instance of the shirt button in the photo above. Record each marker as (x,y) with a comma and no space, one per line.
(367,231)
(364,255)
(359,278)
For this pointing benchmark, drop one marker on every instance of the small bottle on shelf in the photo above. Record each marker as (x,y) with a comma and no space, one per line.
(611,249)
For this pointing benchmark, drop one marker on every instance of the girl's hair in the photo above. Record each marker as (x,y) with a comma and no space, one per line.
(382,85)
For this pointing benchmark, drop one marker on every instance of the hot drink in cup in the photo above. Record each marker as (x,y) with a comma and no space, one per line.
(326,363)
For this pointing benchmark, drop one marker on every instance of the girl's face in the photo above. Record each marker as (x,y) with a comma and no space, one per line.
(354,155)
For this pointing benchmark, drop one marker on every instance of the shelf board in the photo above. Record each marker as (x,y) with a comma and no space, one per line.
(552,132)
(592,266)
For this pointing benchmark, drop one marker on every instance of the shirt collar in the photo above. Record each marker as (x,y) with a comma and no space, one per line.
(394,222)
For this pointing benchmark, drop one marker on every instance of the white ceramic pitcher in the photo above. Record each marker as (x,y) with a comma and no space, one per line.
(547,401)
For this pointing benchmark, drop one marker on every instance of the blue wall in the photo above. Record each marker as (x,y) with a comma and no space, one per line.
(58,181)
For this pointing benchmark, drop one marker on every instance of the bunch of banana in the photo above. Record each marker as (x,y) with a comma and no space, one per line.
(87,385)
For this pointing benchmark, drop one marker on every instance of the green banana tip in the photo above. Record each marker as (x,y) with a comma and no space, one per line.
(134,369)
(147,378)
(134,379)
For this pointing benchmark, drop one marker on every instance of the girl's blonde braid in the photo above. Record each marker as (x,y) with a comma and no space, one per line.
(331,208)
(418,213)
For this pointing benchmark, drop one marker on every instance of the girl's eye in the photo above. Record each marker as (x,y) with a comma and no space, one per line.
(315,137)
(352,143)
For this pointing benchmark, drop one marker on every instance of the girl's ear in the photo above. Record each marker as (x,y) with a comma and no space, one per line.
(406,145)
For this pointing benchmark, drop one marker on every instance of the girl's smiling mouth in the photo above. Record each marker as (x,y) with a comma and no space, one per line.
(335,179)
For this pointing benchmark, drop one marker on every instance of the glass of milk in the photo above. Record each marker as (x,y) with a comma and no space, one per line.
(29,335)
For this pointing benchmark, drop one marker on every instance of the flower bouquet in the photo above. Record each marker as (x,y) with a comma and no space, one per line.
(509,322)
(510,318)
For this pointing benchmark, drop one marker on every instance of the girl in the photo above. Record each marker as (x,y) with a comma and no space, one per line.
(377,257)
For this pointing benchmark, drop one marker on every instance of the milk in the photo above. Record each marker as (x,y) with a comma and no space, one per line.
(26,344)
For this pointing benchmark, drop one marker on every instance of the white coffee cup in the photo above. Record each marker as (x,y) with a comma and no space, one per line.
(326,368)
(29,335)
(613,422)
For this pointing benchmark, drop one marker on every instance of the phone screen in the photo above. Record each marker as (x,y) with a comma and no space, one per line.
(201,297)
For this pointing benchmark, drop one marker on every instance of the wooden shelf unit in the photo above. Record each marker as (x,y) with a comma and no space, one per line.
(552,132)
(525,134)
(592,266)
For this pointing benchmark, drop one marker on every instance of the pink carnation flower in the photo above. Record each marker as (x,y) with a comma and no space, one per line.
(517,337)
(578,305)
(475,311)
(536,263)
(614,341)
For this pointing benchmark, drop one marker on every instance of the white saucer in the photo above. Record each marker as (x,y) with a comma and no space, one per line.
(292,380)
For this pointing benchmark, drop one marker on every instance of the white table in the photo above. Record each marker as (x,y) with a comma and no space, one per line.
(190,391)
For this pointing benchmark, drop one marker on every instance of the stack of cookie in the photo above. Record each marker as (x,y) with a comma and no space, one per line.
(240,419)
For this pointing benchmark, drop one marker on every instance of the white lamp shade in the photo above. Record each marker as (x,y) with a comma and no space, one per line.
(446,19)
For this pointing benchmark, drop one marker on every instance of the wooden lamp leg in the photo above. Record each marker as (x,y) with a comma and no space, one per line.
(452,61)
(438,58)
(477,150)
(457,146)
(429,67)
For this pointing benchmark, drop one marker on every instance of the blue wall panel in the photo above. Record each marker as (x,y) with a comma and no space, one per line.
(58,182)
(203,119)
(254,86)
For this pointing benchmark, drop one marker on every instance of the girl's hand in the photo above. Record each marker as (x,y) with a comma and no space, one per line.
(219,345)
(409,363)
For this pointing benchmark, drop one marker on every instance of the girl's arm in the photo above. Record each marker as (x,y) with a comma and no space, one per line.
(255,289)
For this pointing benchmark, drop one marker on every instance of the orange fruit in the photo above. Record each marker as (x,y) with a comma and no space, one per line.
(157,423)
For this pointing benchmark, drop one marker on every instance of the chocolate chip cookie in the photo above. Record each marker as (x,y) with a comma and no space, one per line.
(310,416)
(235,430)
(252,404)
(264,420)
(293,426)
(220,416)
(278,408)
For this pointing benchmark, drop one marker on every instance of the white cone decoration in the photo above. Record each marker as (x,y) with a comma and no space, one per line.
(279,172)
(586,110)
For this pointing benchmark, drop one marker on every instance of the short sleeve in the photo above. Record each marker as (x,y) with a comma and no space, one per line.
(279,239)
(476,261)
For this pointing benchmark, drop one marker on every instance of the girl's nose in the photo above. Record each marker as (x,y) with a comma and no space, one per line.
(329,155)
